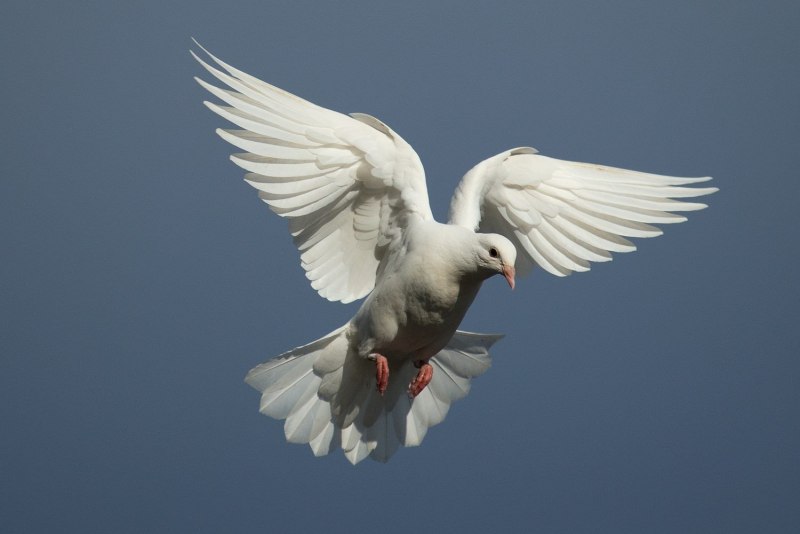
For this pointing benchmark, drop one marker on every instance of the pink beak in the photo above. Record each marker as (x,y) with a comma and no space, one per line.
(509,272)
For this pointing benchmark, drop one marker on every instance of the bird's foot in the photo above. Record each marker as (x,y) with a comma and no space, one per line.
(381,371)
(423,378)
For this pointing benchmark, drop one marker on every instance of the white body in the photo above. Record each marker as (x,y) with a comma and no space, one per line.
(355,197)
(418,304)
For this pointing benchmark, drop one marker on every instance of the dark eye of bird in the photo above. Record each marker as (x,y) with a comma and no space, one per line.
(493,252)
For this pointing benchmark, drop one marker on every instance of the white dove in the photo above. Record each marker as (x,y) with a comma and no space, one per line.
(354,194)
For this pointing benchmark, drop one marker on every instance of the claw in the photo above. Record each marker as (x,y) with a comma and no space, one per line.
(423,378)
(381,371)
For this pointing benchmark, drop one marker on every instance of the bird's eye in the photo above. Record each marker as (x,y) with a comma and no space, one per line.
(493,252)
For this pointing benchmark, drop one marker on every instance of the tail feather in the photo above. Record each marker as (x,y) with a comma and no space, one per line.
(280,401)
(328,398)
(329,438)
(300,422)
(352,398)
(286,378)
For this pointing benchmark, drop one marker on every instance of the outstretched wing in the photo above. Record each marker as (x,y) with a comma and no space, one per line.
(565,214)
(347,184)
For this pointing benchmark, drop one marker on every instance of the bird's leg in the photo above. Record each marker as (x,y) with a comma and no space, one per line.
(423,378)
(381,371)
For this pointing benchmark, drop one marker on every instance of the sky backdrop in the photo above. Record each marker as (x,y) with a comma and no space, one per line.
(141,278)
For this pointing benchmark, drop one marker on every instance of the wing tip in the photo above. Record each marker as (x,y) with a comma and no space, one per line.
(203,48)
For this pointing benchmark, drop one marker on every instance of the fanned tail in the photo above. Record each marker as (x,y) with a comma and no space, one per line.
(327,394)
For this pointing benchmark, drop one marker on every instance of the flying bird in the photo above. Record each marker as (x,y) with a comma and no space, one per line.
(354,195)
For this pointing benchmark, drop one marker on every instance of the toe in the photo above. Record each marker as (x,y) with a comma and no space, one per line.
(421,380)
(381,372)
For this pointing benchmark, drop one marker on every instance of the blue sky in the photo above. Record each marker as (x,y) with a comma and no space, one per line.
(142,277)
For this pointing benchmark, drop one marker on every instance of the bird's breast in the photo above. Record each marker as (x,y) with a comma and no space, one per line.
(415,316)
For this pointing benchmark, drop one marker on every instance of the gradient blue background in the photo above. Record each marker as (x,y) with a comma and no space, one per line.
(141,277)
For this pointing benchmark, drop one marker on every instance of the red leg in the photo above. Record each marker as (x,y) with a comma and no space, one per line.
(423,378)
(381,371)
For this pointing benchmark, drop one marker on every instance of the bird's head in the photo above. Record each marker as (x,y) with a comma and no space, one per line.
(497,255)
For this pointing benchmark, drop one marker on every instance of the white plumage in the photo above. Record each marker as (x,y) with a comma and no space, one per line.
(355,197)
